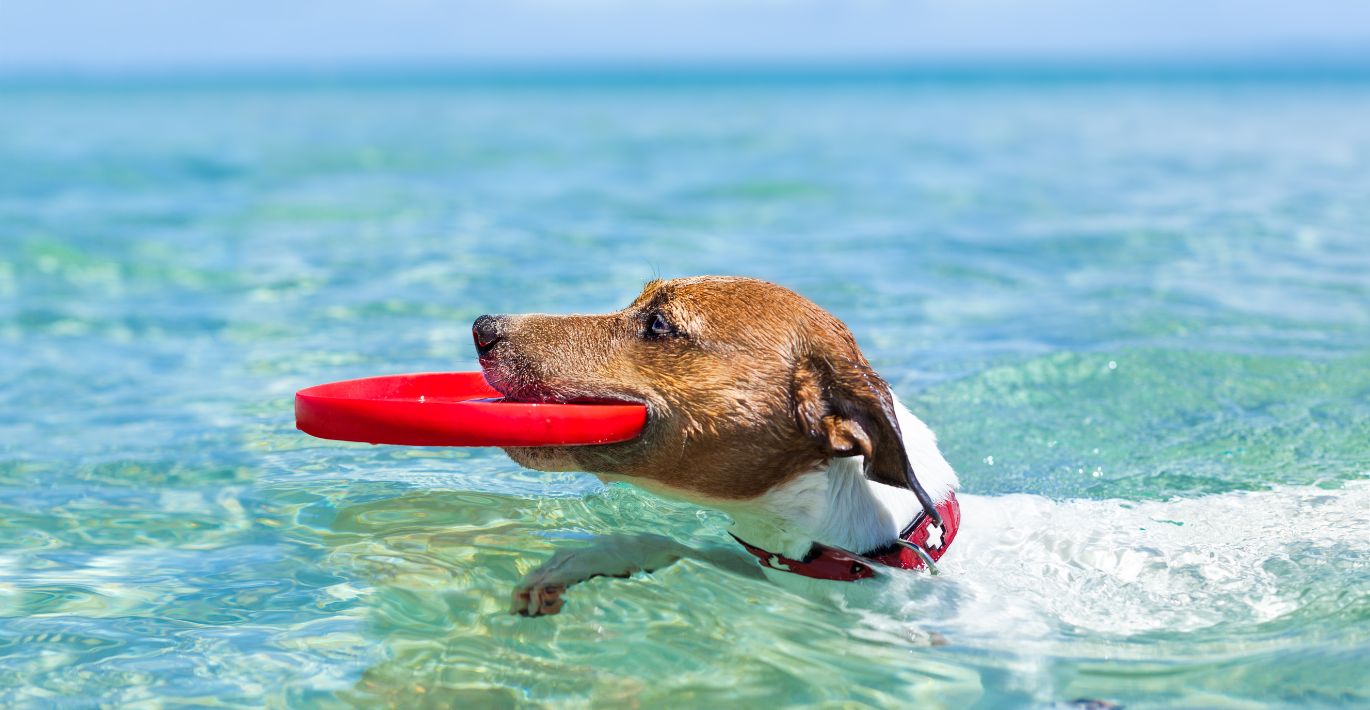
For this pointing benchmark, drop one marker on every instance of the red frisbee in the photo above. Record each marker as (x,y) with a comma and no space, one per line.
(454,409)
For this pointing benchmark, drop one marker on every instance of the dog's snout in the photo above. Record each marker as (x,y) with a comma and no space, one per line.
(487,331)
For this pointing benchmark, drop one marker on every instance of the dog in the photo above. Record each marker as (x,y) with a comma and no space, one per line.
(760,404)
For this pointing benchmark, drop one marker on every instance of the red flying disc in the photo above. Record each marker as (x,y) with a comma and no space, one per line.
(454,409)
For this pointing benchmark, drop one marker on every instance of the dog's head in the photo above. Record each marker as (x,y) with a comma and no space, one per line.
(747,385)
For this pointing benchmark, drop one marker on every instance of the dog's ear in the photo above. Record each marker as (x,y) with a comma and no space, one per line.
(847,409)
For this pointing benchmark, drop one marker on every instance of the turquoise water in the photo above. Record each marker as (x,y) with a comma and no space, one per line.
(1136,312)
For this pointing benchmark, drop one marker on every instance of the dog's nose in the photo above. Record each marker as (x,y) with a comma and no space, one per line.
(486,332)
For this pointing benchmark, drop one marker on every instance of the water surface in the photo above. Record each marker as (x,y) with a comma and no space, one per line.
(1136,312)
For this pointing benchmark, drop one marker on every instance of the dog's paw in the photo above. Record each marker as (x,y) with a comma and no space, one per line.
(538,599)
(541,592)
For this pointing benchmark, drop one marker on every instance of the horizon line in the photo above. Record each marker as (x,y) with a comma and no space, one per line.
(1273,66)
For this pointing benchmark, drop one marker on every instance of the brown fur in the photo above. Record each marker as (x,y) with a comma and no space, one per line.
(757,386)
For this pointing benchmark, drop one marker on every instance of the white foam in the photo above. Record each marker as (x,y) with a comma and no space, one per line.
(1024,566)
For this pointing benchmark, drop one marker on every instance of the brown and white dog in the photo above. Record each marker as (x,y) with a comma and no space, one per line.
(760,404)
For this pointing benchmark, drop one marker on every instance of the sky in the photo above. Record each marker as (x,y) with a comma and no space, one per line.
(112,35)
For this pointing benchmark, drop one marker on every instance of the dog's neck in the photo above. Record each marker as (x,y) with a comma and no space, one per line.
(837,505)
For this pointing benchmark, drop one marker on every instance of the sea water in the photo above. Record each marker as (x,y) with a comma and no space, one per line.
(1136,310)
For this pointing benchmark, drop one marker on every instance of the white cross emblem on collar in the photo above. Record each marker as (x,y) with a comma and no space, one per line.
(934,542)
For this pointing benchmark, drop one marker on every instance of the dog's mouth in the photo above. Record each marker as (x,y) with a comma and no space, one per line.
(526,389)
(531,390)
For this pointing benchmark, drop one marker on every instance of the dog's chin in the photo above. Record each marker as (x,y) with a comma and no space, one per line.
(543,458)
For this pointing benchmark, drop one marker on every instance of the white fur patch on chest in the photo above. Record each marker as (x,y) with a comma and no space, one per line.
(837,505)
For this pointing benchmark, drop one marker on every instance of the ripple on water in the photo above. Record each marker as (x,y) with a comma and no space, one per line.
(1154,423)
(174,264)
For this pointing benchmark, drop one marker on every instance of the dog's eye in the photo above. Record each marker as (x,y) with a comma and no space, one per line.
(659,328)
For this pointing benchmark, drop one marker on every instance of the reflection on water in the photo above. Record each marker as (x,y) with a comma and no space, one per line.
(1137,315)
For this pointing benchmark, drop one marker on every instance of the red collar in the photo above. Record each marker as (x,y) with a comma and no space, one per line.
(827,562)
